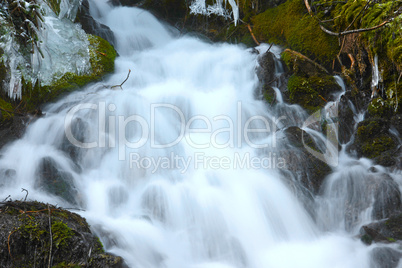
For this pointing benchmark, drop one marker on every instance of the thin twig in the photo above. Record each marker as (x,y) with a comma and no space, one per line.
(22,190)
(51,238)
(252,35)
(270,47)
(8,243)
(128,75)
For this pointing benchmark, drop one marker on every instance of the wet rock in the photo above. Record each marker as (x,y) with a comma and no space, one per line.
(52,179)
(269,76)
(384,257)
(91,26)
(346,120)
(266,69)
(33,232)
(387,197)
(11,130)
(79,129)
(308,170)
(384,231)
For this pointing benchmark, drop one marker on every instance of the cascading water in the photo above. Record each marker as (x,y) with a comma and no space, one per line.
(165,168)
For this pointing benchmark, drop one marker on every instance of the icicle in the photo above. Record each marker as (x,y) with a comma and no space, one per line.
(375,77)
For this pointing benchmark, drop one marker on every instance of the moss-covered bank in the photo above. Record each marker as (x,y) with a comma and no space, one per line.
(290,25)
(34,234)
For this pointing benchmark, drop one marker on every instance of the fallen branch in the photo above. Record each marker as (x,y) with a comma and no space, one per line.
(252,35)
(354,31)
(129,71)
(351,31)
(308,8)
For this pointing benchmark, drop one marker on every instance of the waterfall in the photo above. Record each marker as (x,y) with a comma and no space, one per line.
(169,169)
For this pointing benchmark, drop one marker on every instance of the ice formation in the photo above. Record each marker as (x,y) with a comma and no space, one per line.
(62,47)
(219,8)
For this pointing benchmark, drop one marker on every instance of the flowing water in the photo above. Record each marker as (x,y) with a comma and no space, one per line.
(169,168)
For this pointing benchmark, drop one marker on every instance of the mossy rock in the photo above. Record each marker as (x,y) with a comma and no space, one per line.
(370,128)
(102,56)
(311,93)
(269,94)
(373,140)
(26,238)
(379,108)
(385,231)
(301,65)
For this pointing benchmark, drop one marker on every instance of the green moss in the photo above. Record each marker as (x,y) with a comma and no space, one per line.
(374,147)
(32,230)
(310,92)
(61,233)
(99,247)
(390,239)
(368,130)
(290,25)
(380,108)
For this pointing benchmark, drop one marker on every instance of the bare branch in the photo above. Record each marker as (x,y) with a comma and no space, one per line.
(308,8)
(25,190)
(354,31)
(129,71)
(252,35)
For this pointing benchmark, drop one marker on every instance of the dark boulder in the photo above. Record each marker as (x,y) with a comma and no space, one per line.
(270,74)
(91,26)
(13,129)
(266,69)
(384,231)
(346,119)
(34,234)
(54,180)
(387,197)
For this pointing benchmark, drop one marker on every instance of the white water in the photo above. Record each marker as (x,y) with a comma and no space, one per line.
(202,215)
